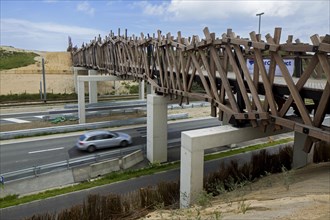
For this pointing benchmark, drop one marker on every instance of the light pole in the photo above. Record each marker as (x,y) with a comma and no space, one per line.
(260,19)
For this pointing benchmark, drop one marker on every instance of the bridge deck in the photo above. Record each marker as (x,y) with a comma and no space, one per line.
(172,65)
(313,84)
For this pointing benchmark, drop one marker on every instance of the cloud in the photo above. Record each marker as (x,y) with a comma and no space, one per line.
(301,18)
(201,10)
(86,8)
(152,9)
(43,35)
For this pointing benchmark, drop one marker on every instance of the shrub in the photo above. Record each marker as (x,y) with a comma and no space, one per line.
(136,204)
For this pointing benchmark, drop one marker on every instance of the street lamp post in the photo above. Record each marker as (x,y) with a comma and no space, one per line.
(259,20)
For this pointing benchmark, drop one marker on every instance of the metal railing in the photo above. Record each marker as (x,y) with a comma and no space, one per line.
(69,163)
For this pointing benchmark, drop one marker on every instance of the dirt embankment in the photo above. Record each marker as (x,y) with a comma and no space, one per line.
(58,68)
(298,194)
(59,75)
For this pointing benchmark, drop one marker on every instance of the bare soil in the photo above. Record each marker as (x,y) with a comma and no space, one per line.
(58,71)
(298,194)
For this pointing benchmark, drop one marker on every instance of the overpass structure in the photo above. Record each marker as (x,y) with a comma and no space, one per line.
(253,101)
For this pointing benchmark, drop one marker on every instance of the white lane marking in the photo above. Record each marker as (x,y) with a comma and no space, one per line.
(41,151)
(16,120)
(39,116)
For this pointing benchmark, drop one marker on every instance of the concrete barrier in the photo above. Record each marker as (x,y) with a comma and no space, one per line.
(132,159)
(81,173)
(79,127)
(36,184)
(105,167)
(71,176)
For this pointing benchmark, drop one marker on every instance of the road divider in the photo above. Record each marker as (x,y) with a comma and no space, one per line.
(105,167)
(80,127)
(60,176)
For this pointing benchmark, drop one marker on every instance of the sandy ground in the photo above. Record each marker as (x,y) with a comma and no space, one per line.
(298,194)
(58,68)
(58,71)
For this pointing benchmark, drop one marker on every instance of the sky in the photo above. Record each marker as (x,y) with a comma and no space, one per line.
(46,24)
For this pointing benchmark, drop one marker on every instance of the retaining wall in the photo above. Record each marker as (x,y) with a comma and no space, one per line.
(132,159)
(75,175)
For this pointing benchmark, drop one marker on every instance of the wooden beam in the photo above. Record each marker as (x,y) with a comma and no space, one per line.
(267,84)
(293,90)
(301,82)
(224,80)
(201,75)
(248,78)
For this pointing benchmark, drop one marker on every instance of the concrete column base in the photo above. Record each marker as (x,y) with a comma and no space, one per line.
(156,128)
(76,72)
(141,90)
(92,87)
(191,163)
(150,89)
(193,144)
(300,157)
(81,102)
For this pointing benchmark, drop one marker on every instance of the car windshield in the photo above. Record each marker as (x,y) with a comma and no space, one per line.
(115,134)
(82,137)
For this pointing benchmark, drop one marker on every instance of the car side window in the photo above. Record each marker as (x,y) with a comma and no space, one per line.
(108,136)
(91,138)
(99,137)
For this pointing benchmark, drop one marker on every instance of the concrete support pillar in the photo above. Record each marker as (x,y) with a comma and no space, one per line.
(92,87)
(141,90)
(191,163)
(150,89)
(81,102)
(76,71)
(300,157)
(156,128)
(193,144)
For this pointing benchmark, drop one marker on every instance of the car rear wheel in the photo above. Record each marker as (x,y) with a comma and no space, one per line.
(124,144)
(91,149)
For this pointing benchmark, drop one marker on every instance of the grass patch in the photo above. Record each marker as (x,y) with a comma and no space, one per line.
(25,97)
(13,59)
(247,149)
(125,175)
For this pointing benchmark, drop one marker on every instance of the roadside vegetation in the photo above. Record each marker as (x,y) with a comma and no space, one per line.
(25,97)
(166,195)
(129,174)
(14,59)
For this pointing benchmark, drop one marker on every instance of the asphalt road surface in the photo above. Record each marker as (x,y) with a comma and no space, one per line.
(27,153)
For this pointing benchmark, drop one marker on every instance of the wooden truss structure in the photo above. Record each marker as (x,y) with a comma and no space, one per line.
(173,65)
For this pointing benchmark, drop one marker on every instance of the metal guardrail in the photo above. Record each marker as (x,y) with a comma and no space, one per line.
(68,164)
(79,127)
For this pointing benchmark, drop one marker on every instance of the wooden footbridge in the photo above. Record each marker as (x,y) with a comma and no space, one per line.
(174,65)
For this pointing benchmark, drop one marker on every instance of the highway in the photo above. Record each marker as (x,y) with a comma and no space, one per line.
(29,152)
(27,117)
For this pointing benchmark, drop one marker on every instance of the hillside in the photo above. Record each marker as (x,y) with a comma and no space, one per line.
(27,79)
(55,62)
(294,195)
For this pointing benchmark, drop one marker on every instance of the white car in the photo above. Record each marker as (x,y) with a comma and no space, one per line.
(93,140)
